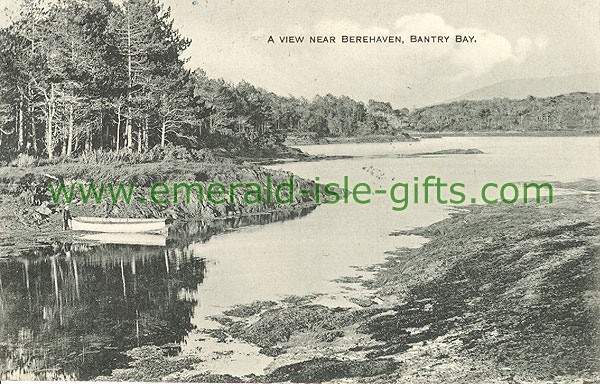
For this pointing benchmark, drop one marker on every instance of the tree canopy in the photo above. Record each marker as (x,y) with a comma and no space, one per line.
(85,75)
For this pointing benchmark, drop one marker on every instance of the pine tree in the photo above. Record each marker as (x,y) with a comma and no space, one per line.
(151,48)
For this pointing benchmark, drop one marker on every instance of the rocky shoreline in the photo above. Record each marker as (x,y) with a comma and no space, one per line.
(503,293)
(499,294)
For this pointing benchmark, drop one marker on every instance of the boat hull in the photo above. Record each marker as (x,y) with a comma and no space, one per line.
(149,239)
(111,225)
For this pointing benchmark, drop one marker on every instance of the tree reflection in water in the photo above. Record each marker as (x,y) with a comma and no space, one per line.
(70,311)
(78,307)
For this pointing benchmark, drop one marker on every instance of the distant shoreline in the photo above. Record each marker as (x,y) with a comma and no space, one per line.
(426,135)
(295,141)
(416,136)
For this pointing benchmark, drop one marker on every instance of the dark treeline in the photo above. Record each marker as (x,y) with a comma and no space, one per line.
(79,76)
(84,75)
(89,74)
(575,112)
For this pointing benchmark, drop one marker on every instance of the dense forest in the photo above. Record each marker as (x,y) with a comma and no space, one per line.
(79,76)
(575,112)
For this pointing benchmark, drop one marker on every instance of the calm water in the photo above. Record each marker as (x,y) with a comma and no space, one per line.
(69,312)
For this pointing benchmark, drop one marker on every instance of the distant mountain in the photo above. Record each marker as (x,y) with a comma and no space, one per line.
(538,87)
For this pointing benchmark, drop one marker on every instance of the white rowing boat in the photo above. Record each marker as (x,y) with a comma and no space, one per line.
(117,225)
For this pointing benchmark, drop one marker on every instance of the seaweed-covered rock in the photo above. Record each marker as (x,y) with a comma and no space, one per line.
(326,369)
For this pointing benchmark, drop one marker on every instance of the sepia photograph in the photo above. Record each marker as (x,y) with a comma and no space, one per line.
(300,191)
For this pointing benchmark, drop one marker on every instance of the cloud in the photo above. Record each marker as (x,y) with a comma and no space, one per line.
(423,23)
(455,60)
(339,27)
(475,59)
(391,71)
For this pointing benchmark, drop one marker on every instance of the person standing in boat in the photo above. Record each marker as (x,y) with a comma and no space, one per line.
(66,216)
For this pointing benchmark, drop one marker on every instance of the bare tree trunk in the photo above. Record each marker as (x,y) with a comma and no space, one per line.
(163,133)
(129,130)
(63,146)
(139,139)
(118,127)
(146,135)
(70,137)
(49,143)
(129,77)
(33,129)
(88,139)
(101,129)
(21,133)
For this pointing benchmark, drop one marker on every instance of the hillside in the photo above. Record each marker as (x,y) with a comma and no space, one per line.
(538,87)
(575,113)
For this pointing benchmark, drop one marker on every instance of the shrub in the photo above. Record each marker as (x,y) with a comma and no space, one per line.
(24,160)
(125,156)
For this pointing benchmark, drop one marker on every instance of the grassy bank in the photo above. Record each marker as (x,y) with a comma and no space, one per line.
(29,217)
(499,294)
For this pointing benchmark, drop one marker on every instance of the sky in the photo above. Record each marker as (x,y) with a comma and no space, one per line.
(514,39)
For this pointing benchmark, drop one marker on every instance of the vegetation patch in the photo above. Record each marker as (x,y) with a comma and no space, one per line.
(511,290)
(150,363)
(278,325)
(249,309)
(325,369)
(510,284)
